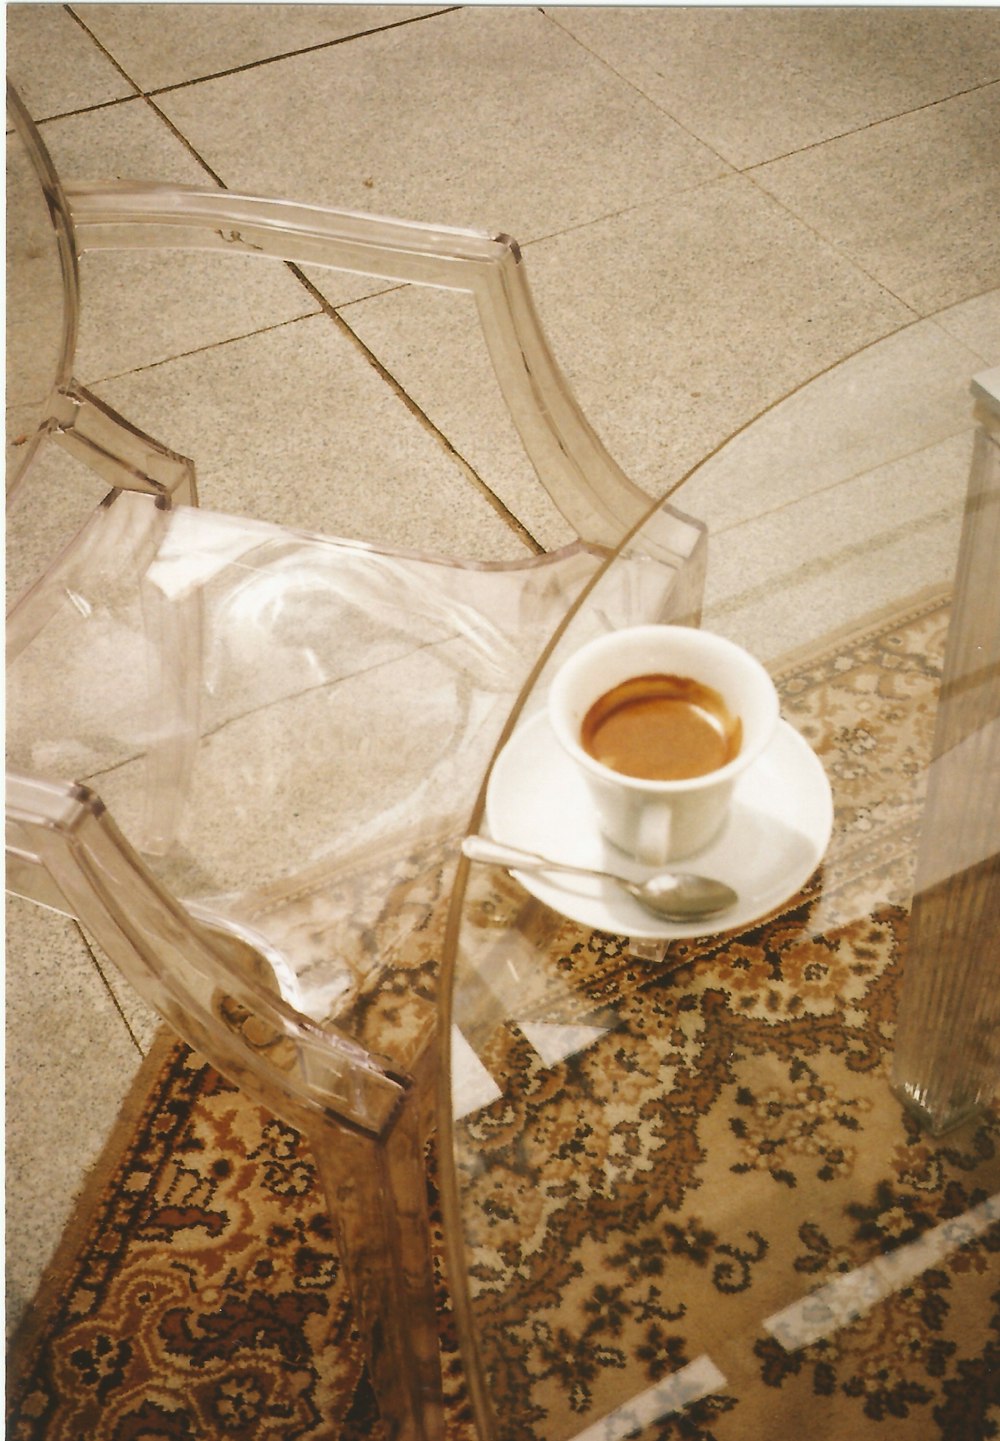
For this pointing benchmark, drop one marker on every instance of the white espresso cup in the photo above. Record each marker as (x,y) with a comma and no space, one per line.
(658,821)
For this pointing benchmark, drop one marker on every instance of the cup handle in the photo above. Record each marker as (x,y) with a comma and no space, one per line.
(653,839)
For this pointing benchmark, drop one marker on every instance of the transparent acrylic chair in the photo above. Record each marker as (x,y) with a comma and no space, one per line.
(242,756)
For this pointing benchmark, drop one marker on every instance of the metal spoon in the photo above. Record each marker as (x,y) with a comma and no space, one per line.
(675,895)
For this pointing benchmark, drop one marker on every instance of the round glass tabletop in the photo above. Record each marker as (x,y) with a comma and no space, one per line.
(743,1182)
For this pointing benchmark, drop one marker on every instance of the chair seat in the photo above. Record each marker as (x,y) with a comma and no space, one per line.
(314,717)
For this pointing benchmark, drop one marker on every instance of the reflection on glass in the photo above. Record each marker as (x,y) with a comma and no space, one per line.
(849,1297)
(684,1387)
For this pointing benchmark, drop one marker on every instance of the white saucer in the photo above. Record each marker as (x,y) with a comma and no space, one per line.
(777,832)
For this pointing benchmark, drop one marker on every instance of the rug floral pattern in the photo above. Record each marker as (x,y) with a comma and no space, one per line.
(711,1219)
(205,1301)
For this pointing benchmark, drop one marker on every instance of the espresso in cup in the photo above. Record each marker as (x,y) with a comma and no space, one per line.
(661,721)
(661,728)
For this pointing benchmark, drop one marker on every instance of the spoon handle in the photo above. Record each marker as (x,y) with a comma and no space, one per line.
(478,848)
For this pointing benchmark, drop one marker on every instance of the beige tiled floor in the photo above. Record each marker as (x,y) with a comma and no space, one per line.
(715,205)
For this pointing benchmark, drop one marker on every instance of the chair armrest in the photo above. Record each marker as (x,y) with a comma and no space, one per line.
(585,483)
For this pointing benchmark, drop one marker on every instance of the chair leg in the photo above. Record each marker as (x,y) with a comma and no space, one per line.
(377,1192)
(125,456)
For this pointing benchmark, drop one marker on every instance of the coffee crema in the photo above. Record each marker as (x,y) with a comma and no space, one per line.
(661,728)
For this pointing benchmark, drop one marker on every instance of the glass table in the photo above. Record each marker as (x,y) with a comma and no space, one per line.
(744,1184)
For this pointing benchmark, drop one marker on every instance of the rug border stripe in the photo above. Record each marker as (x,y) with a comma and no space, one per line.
(100,1178)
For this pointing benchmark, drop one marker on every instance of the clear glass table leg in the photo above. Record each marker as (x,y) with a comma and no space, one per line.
(947,1059)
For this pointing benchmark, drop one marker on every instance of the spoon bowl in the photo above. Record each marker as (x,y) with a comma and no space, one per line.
(671,895)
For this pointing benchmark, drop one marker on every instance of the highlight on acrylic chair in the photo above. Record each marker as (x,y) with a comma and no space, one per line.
(243,756)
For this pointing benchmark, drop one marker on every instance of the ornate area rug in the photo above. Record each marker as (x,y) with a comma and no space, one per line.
(199,1297)
(645,1230)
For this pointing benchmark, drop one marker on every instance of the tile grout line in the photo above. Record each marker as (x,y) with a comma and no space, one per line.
(747,171)
(108,986)
(961,427)
(303,50)
(772,159)
(869,125)
(94,382)
(468,470)
(637,89)
(145,93)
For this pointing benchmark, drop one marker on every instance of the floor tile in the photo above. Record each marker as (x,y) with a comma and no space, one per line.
(912,201)
(294,425)
(831,559)
(976,323)
(675,324)
(858,479)
(69,1059)
(54,63)
(141,307)
(55,500)
(731,303)
(897,397)
(433,345)
(422,121)
(805,74)
(127,141)
(202,40)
